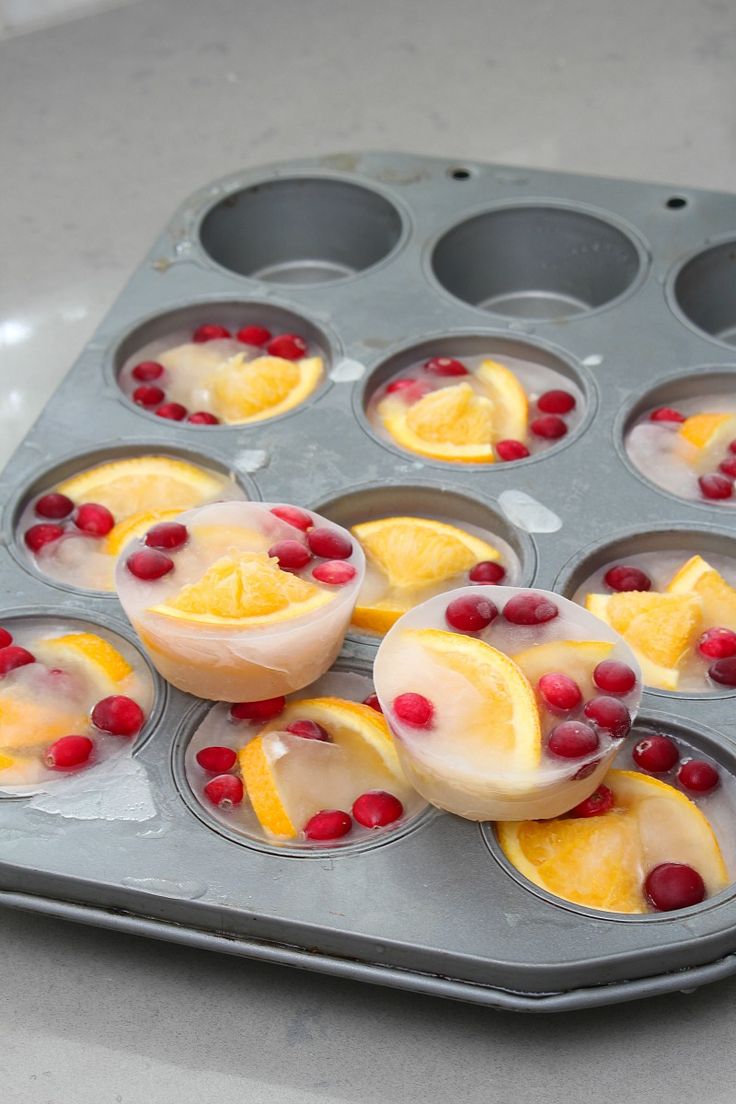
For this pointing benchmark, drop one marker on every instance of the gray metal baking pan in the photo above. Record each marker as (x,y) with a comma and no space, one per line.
(627,288)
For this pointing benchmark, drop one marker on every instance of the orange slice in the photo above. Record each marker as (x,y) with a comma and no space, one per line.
(510,404)
(251,390)
(602,861)
(100,664)
(576,658)
(143,483)
(379,617)
(415,552)
(707,431)
(452,423)
(26,723)
(718,598)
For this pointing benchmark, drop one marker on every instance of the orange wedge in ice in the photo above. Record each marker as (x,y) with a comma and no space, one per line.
(251,390)
(453,423)
(510,404)
(27,724)
(576,658)
(96,659)
(143,483)
(707,431)
(416,552)
(718,598)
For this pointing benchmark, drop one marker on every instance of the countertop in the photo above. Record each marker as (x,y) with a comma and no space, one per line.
(107,122)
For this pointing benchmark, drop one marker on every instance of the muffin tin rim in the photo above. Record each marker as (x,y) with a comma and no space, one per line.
(712,242)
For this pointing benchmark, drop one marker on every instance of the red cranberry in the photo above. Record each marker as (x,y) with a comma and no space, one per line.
(167,534)
(54,505)
(292,555)
(487,571)
(556,402)
(723,671)
(264,710)
(600,802)
(414,709)
(698,776)
(614,677)
(292,515)
(717,643)
(148,395)
(470,613)
(93,519)
(147,371)
(401,385)
(334,572)
(373,702)
(666,414)
(560,691)
(715,486)
(6,639)
(13,656)
(728,466)
(309,730)
(173,411)
(329,824)
(330,544)
(149,564)
(40,535)
(623,577)
(377,809)
(68,752)
(511,450)
(732,447)
(216,760)
(572,740)
(209,333)
(254,335)
(224,791)
(656,753)
(203,417)
(673,886)
(530,609)
(548,426)
(118,715)
(445,366)
(288,346)
(610,714)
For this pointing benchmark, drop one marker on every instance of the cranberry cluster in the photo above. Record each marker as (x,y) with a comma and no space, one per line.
(718,485)
(89,519)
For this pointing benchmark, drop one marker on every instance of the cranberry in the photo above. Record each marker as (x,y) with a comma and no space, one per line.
(330,544)
(118,715)
(673,886)
(288,346)
(560,691)
(572,740)
(656,753)
(13,656)
(373,702)
(511,450)
(414,709)
(6,639)
(329,824)
(666,414)
(167,534)
(556,402)
(148,395)
(715,486)
(292,515)
(530,609)
(586,770)
(93,519)
(401,385)
(149,564)
(40,535)
(732,447)
(254,335)
(470,613)
(292,555)
(717,643)
(723,671)
(224,791)
(487,571)
(215,759)
(445,366)
(209,332)
(698,776)
(614,677)
(728,466)
(264,710)
(610,714)
(173,411)
(377,809)
(600,802)
(68,752)
(335,572)
(548,426)
(410,390)
(54,505)
(203,417)
(624,577)
(309,730)
(147,371)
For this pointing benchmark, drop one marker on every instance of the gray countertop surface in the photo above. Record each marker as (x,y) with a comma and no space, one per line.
(106,123)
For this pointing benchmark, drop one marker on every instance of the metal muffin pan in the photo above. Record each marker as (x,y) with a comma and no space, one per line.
(373,257)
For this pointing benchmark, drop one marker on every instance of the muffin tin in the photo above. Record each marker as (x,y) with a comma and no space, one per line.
(628,288)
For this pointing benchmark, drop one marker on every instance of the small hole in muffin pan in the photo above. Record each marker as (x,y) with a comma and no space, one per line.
(301,230)
(703,290)
(693,742)
(209,724)
(676,203)
(460,172)
(538,261)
